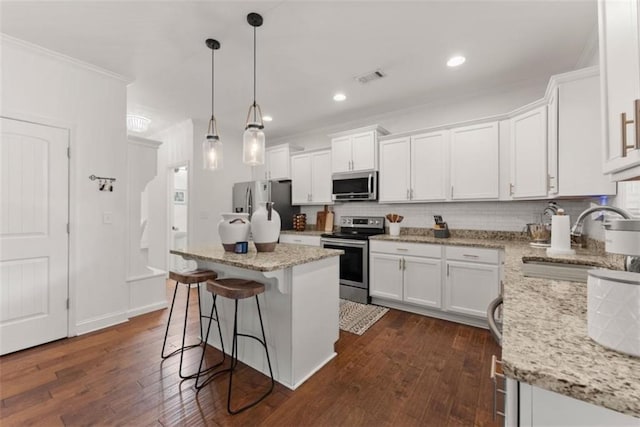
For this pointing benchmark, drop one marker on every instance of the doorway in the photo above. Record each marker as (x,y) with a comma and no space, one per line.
(34,239)
(178,209)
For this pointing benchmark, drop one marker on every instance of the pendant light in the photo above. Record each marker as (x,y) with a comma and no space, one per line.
(212,146)
(253,138)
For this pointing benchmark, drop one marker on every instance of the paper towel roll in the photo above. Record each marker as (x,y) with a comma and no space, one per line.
(560,236)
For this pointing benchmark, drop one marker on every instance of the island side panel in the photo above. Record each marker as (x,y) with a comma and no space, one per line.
(276,314)
(315,316)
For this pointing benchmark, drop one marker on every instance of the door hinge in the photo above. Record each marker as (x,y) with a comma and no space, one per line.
(69,152)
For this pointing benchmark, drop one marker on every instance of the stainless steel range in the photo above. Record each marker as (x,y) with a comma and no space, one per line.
(353,239)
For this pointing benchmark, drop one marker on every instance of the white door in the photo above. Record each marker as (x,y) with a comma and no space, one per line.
(363,151)
(279,166)
(471,287)
(321,177)
(529,154)
(423,281)
(386,276)
(341,154)
(301,182)
(34,243)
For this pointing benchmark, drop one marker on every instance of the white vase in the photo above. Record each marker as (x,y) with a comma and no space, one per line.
(232,228)
(265,227)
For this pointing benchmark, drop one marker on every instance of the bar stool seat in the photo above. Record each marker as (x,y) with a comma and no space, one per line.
(187,278)
(237,289)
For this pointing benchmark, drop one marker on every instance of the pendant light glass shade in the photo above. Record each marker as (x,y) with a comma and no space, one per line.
(253,147)
(212,146)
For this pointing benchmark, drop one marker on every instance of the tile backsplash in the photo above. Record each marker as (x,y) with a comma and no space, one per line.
(500,216)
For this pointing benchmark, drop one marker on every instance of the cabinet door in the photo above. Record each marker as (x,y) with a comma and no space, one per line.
(552,143)
(620,65)
(529,154)
(385,276)
(471,287)
(301,179)
(363,151)
(278,163)
(423,281)
(475,162)
(395,160)
(321,177)
(341,154)
(429,166)
(580,140)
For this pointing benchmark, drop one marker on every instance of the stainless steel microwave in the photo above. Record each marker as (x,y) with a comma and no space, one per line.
(357,186)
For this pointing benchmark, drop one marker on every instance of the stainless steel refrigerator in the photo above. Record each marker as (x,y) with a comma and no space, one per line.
(248,195)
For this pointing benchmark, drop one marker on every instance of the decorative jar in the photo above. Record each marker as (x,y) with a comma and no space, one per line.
(232,228)
(265,227)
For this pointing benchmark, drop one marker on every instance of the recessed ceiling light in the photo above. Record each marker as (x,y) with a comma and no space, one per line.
(455,61)
(339,97)
(267,118)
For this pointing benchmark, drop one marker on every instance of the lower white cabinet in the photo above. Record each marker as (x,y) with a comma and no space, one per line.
(539,407)
(456,285)
(300,239)
(406,272)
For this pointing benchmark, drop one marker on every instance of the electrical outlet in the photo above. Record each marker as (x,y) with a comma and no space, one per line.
(107,217)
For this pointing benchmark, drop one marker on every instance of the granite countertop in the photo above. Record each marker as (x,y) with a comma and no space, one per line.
(285,256)
(545,341)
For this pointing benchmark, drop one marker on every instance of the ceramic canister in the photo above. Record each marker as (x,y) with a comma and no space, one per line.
(232,228)
(265,227)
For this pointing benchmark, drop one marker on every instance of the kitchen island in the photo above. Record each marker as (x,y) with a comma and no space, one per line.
(300,306)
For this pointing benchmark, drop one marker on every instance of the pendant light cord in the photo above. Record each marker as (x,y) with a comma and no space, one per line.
(254,74)
(213,86)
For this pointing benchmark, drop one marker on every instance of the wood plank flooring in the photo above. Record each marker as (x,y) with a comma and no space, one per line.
(407,370)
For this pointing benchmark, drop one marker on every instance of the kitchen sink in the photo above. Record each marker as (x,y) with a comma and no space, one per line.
(555,270)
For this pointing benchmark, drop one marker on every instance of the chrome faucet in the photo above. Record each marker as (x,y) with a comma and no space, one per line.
(576,230)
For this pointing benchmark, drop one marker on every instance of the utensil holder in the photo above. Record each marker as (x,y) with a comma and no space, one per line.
(394,228)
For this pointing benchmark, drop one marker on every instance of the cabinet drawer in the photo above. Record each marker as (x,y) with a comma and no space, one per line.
(300,239)
(465,253)
(402,248)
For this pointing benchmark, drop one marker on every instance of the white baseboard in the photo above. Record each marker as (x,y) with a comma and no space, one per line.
(147,309)
(101,322)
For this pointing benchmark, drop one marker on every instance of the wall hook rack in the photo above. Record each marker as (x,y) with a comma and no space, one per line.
(104,183)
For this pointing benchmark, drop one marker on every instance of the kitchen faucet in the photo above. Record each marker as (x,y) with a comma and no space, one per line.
(576,230)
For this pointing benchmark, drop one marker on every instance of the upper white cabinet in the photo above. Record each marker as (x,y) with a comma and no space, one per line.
(528,137)
(277,164)
(414,168)
(619,25)
(578,138)
(475,162)
(355,150)
(311,178)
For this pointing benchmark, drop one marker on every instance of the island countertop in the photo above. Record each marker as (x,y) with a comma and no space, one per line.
(285,256)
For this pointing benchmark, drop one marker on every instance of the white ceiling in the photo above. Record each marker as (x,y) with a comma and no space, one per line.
(307,50)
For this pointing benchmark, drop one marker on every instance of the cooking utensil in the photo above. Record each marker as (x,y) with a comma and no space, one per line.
(328,221)
(321,217)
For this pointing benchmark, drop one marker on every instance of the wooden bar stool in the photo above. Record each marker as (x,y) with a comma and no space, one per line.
(237,289)
(188,278)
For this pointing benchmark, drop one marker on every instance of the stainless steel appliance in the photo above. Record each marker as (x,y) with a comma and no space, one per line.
(353,239)
(248,195)
(355,186)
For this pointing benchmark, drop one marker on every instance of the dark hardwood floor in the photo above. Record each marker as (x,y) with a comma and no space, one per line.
(406,370)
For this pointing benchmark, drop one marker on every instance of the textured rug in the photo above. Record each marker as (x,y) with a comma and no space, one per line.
(357,318)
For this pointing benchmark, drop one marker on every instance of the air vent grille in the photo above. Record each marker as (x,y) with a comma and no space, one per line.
(369,77)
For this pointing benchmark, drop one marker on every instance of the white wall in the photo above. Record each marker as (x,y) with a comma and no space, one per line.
(45,87)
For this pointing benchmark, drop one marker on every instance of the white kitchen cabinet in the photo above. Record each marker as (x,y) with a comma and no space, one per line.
(311,178)
(579,138)
(414,168)
(407,272)
(356,150)
(395,170)
(277,163)
(300,239)
(552,141)
(472,280)
(619,30)
(528,137)
(539,407)
(474,165)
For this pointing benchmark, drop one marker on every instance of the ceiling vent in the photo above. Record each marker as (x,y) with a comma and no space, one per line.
(369,77)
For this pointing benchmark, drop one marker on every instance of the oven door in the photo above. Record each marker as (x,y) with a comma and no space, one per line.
(354,265)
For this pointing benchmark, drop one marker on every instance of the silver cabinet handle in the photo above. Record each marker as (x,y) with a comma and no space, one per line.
(297,240)
(452,191)
(402,249)
(511,189)
(549,186)
(404,264)
(447,270)
(470,256)
(399,263)
(370,183)
(623,128)
(411,194)
(407,194)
